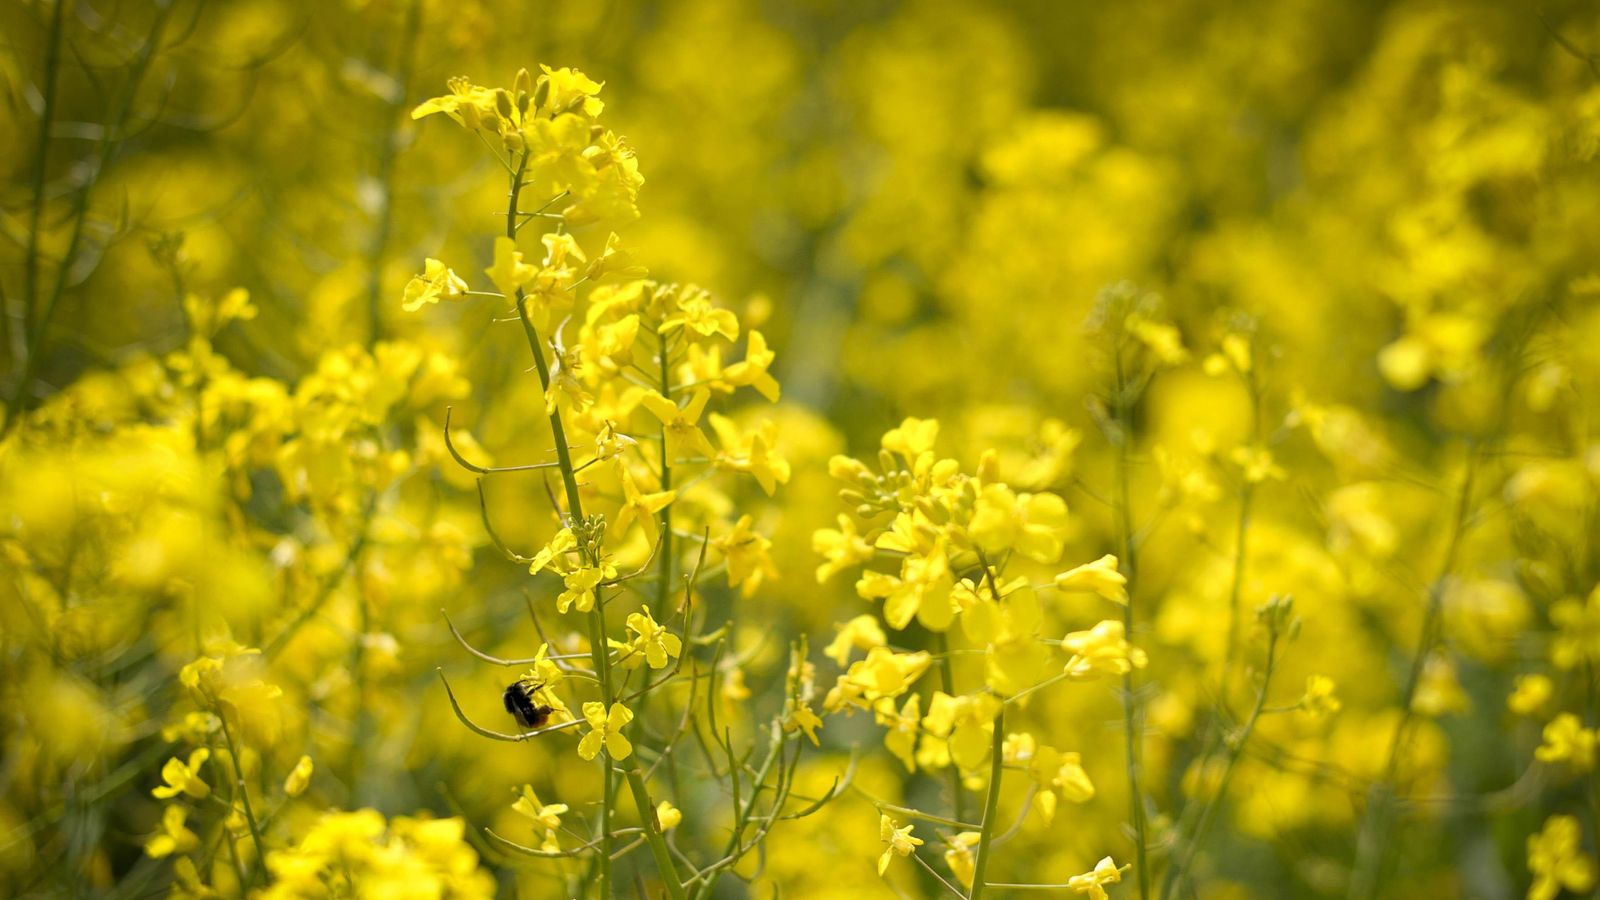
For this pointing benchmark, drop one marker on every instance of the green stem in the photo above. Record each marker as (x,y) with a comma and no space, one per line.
(597,625)
(52,69)
(243,793)
(1235,589)
(38,328)
(941,647)
(1208,811)
(664,563)
(1373,837)
(1130,708)
(991,804)
(388,150)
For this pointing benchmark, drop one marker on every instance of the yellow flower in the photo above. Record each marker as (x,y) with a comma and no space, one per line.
(614,262)
(639,506)
(1557,861)
(567,90)
(747,554)
(1093,882)
(959,856)
(653,643)
(967,723)
(913,438)
(842,548)
(545,814)
(1102,650)
(468,104)
(1163,339)
(1567,741)
(899,840)
(436,281)
(752,370)
(1257,464)
(299,777)
(202,674)
(1099,577)
(751,453)
(552,553)
(1531,694)
(1052,771)
(884,673)
(904,727)
(606,728)
(803,718)
(1235,355)
(922,589)
(668,815)
(681,426)
(581,584)
(509,272)
(862,632)
(1033,524)
(184,778)
(194,727)
(173,836)
(1579,631)
(1319,700)
(696,311)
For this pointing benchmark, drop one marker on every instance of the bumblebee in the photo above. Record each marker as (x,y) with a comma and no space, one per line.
(522,705)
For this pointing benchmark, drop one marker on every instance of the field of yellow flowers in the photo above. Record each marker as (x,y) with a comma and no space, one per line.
(825,449)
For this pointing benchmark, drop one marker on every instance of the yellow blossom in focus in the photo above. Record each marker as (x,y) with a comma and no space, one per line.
(547,815)
(668,816)
(1099,577)
(184,778)
(605,729)
(437,282)
(959,855)
(1101,651)
(899,841)
(1033,524)
(860,633)
(1094,881)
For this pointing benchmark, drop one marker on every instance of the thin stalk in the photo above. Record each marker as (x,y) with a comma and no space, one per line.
(746,812)
(664,574)
(991,805)
(1247,494)
(1373,838)
(388,150)
(1208,812)
(1130,710)
(947,678)
(244,793)
(39,327)
(597,625)
(1241,550)
(30,281)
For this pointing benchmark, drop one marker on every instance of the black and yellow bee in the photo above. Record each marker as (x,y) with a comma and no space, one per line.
(522,705)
